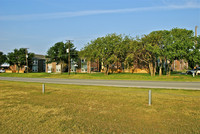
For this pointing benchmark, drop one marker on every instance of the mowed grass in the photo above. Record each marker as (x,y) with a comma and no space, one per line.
(119,76)
(96,109)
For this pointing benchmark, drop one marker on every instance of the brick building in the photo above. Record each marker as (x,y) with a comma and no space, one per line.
(179,65)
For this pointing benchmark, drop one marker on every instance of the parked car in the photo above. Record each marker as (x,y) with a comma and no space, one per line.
(198,71)
(2,71)
(195,71)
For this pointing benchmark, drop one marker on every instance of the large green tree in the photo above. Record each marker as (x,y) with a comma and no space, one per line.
(2,58)
(122,48)
(133,53)
(103,49)
(193,56)
(167,46)
(155,48)
(18,58)
(58,53)
(150,50)
(178,45)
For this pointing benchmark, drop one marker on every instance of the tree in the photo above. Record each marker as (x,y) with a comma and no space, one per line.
(89,52)
(150,50)
(103,49)
(133,53)
(58,53)
(18,58)
(178,45)
(121,49)
(193,56)
(166,45)
(3,58)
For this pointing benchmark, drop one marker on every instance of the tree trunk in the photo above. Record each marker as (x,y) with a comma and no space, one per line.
(160,68)
(128,67)
(61,68)
(89,66)
(122,67)
(107,70)
(154,69)
(166,67)
(151,68)
(18,68)
(170,64)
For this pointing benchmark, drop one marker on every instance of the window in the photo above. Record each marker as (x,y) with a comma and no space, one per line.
(83,60)
(35,69)
(35,62)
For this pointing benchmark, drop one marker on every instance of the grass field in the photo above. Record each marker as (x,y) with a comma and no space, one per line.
(95,109)
(121,76)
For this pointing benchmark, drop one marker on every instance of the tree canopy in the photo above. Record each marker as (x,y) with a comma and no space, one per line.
(164,46)
(18,58)
(3,58)
(58,52)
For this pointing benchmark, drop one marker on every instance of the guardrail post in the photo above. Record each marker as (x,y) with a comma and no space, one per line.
(150,97)
(43,88)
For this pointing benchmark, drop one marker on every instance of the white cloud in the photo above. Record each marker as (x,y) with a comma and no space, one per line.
(187,5)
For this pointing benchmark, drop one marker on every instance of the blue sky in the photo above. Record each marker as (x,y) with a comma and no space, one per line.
(39,24)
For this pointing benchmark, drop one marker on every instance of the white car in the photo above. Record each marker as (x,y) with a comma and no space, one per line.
(198,71)
(2,71)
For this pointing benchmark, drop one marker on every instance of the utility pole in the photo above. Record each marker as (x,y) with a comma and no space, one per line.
(26,59)
(196,30)
(69,65)
(196,34)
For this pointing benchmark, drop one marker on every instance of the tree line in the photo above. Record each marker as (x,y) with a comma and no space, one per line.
(164,46)
(17,57)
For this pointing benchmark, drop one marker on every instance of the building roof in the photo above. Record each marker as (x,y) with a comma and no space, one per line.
(39,56)
(5,65)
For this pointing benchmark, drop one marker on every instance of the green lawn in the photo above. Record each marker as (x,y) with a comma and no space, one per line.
(121,76)
(96,109)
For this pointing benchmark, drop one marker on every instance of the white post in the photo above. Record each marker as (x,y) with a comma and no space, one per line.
(43,88)
(149,97)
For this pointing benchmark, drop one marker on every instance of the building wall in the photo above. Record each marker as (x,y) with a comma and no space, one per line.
(55,68)
(179,65)
(38,65)
(14,68)
(51,67)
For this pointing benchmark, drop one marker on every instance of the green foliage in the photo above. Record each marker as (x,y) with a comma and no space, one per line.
(194,53)
(3,58)
(108,49)
(58,52)
(18,57)
(165,45)
(178,44)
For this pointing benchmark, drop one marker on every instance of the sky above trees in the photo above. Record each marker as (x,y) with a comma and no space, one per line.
(39,24)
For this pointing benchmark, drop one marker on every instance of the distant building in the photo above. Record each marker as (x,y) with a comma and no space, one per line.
(54,67)
(39,63)
(179,65)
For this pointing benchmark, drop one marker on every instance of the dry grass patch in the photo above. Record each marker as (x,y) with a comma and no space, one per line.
(96,109)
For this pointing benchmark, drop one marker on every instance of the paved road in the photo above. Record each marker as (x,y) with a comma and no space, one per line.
(117,83)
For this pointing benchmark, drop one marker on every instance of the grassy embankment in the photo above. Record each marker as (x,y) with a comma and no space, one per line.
(121,76)
(95,109)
